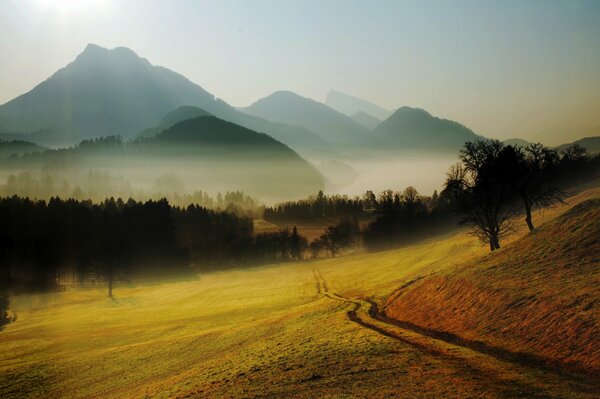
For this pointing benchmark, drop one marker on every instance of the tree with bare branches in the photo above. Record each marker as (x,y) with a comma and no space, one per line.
(112,263)
(533,174)
(484,197)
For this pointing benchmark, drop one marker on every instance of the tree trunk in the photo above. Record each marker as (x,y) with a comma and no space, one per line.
(110,287)
(494,242)
(528,217)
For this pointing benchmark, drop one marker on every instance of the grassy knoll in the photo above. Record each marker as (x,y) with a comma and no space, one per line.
(265,332)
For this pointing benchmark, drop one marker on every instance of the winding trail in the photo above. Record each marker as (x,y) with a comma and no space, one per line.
(504,369)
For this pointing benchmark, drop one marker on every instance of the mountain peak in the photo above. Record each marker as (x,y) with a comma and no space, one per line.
(94,53)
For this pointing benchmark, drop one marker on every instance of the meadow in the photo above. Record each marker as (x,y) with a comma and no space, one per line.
(303,329)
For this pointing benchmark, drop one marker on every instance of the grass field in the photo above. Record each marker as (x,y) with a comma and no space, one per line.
(292,330)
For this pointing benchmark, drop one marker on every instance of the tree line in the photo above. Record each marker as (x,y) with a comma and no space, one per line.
(43,242)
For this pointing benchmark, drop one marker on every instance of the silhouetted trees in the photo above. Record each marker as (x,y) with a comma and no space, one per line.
(336,238)
(533,173)
(493,183)
(6,248)
(112,263)
(483,193)
(109,241)
(316,207)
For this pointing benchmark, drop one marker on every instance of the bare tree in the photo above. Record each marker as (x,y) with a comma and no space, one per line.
(484,198)
(532,172)
(112,263)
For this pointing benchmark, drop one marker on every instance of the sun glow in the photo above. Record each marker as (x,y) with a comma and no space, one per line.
(70,6)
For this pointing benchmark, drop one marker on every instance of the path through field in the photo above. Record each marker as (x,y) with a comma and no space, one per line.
(299,330)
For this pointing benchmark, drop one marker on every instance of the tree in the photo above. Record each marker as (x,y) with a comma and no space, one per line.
(298,244)
(316,246)
(112,262)
(340,236)
(484,197)
(532,172)
(6,247)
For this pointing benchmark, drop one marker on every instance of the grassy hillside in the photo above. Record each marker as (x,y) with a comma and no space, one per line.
(300,330)
(538,296)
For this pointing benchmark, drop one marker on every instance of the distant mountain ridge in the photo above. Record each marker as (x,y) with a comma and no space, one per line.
(104,92)
(291,108)
(591,144)
(416,129)
(350,105)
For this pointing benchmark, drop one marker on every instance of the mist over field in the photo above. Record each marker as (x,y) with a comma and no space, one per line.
(340,199)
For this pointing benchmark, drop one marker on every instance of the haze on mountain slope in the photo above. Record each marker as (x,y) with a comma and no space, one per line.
(368,121)
(104,92)
(290,108)
(350,105)
(204,153)
(416,129)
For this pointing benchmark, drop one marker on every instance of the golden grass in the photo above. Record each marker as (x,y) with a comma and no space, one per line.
(539,295)
(263,332)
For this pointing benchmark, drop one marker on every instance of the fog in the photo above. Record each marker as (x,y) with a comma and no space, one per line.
(425,172)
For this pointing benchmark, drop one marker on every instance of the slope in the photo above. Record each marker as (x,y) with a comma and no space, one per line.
(290,108)
(537,298)
(264,332)
(416,129)
(205,153)
(104,92)
(350,105)
(591,144)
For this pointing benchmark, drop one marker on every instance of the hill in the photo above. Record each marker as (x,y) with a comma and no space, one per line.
(18,147)
(350,105)
(416,129)
(106,92)
(537,298)
(177,115)
(204,153)
(290,108)
(591,144)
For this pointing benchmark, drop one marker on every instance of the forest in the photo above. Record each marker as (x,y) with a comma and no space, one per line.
(46,243)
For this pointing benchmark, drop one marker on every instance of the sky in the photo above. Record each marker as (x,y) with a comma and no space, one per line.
(524,68)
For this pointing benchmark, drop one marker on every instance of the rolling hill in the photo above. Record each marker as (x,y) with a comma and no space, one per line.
(204,153)
(177,115)
(105,92)
(290,108)
(416,129)
(18,147)
(591,144)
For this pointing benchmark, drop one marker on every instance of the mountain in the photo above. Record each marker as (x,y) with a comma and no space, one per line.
(368,121)
(290,108)
(591,144)
(350,105)
(204,153)
(104,92)
(177,115)
(416,129)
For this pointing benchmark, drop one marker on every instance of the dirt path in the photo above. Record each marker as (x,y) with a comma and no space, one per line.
(524,377)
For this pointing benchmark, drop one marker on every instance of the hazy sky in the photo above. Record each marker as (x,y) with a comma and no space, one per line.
(502,68)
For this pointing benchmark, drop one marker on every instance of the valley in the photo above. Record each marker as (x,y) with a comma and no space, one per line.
(293,330)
